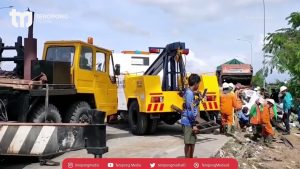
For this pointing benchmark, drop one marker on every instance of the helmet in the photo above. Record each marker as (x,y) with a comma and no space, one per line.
(257,88)
(261,100)
(225,85)
(283,88)
(271,101)
(231,85)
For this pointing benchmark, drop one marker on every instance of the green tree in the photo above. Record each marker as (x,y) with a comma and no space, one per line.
(258,78)
(283,47)
(283,51)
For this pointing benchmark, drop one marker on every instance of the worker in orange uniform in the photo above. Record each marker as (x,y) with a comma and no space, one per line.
(267,130)
(255,117)
(238,94)
(228,103)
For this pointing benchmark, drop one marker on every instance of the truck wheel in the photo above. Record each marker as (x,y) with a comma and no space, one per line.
(138,121)
(152,126)
(78,113)
(39,115)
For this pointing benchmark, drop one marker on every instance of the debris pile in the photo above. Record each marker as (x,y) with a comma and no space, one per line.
(255,155)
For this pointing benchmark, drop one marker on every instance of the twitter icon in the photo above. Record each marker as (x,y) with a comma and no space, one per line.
(152,165)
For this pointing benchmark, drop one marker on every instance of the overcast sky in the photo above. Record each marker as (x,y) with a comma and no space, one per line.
(210,28)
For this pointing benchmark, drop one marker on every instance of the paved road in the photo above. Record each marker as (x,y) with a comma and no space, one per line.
(167,142)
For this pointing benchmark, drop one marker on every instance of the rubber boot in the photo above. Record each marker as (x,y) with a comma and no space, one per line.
(222,129)
(232,131)
(228,130)
(268,142)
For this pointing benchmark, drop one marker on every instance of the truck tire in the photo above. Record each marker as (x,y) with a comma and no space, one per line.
(138,121)
(152,126)
(39,115)
(78,113)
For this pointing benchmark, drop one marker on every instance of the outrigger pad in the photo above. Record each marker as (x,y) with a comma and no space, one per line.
(97,116)
(96,146)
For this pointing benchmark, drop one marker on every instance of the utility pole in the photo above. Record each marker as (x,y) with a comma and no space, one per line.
(264,57)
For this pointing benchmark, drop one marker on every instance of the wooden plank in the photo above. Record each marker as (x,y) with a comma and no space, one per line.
(18,84)
(15,86)
(19,81)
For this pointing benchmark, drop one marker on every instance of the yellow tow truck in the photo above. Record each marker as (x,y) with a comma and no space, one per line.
(73,83)
(210,107)
(149,100)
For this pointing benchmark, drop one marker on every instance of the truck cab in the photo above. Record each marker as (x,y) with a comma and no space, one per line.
(72,78)
(92,71)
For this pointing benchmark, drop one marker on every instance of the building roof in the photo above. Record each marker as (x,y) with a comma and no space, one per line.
(231,62)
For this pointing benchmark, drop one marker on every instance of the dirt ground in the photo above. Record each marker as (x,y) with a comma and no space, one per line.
(255,155)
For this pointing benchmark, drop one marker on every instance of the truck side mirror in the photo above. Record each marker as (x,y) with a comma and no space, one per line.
(117,69)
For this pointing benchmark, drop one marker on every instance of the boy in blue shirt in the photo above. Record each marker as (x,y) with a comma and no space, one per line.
(188,119)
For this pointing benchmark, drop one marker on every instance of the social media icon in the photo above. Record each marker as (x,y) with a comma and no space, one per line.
(110,165)
(152,165)
(196,165)
(70,165)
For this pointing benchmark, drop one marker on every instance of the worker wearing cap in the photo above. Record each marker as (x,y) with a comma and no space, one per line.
(267,130)
(287,106)
(255,117)
(228,103)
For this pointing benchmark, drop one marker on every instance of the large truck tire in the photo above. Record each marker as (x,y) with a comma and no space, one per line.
(39,115)
(152,126)
(78,113)
(138,121)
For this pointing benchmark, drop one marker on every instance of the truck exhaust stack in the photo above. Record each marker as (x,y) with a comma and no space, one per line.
(30,51)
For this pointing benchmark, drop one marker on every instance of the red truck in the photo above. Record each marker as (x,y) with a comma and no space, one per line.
(234,72)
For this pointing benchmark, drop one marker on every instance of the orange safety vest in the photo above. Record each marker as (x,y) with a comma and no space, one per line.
(265,119)
(257,118)
(228,103)
(238,99)
(271,113)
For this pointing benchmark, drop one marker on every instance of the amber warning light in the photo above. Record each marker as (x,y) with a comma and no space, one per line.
(90,40)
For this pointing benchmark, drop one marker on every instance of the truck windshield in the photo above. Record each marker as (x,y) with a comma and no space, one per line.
(60,53)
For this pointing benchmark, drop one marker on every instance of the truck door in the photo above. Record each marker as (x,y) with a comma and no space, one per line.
(84,73)
(112,86)
(104,88)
